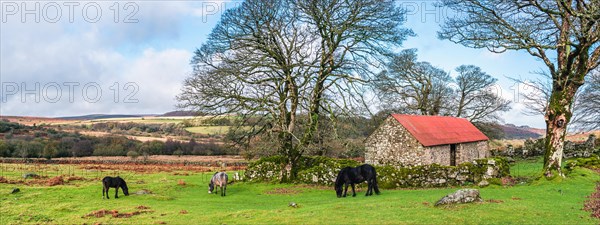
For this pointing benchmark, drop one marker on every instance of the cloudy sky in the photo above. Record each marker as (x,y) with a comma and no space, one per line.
(119,57)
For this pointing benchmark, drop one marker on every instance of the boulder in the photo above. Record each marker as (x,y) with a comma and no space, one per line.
(483,183)
(143,192)
(30,175)
(460,196)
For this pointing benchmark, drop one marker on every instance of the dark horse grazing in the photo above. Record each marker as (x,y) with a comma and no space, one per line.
(115,182)
(219,179)
(351,176)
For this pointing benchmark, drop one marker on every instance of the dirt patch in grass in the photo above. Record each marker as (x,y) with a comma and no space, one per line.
(75,178)
(58,180)
(494,201)
(312,186)
(143,168)
(115,213)
(181,174)
(100,213)
(593,203)
(508,181)
(143,192)
(3,180)
(283,191)
(44,181)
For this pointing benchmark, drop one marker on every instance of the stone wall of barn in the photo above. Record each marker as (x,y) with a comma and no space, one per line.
(440,155)
(466,152)
(392,144)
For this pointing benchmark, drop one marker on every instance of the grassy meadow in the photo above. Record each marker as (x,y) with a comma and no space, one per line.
(208,130)
(180,197)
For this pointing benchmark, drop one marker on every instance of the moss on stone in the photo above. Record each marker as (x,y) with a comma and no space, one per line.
(323,171)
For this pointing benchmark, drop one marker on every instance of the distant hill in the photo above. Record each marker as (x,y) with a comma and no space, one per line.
(512,131)
(180,113)
(100,116)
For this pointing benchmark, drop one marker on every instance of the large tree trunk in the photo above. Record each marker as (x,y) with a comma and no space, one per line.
(558,115)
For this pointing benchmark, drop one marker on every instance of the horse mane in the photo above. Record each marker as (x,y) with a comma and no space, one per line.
(123,183)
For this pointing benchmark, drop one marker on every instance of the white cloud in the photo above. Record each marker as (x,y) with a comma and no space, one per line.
(103,53)
(516,115)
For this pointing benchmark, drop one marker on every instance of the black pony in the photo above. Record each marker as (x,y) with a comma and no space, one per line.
(351,176)
(115,182)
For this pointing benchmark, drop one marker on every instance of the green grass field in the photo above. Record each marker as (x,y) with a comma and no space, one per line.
(543,202)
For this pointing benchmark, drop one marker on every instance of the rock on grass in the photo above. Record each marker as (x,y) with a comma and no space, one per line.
(460,196)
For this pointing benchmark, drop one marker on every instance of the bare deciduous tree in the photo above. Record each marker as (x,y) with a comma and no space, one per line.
(586,109)
(420,88)
(564,34)
(255,64)
(477,99)
(274,61)
(417,86)
(355,37)
(535,94)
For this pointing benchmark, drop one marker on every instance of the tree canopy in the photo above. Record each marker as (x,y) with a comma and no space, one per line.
(272,62)
(564,35)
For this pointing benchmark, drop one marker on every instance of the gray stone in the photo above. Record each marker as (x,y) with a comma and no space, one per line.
(30,175)
(15,190)
(293,204)
(460,196)
(143,192)
(483,183)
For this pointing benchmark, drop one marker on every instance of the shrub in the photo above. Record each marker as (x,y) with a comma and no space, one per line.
(178,153)
(133,154)
(592,162)
(109,150)
(4,149)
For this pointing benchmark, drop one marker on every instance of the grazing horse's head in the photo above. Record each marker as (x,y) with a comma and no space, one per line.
(124,187)
(211,187)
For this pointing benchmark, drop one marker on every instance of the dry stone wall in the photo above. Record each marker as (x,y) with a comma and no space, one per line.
(535,148)
(323,171)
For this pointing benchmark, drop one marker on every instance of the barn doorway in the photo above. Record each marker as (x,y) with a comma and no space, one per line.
(453,155)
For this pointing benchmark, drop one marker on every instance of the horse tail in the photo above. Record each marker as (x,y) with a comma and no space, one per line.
(104,187)
(375,185)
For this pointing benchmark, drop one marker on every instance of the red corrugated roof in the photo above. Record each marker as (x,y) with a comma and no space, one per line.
(440,130)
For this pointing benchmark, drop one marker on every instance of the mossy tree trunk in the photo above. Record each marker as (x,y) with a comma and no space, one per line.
(558,115)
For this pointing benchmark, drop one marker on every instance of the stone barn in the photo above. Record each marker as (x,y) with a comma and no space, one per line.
(421,140)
